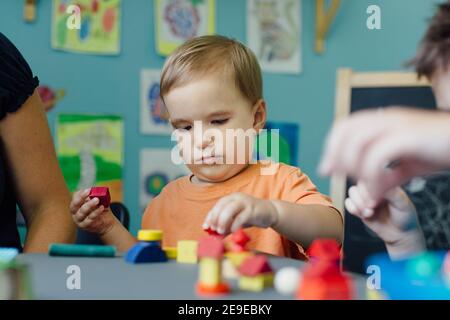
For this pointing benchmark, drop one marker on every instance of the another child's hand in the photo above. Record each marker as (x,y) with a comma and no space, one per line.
(240,210)
(394,220)
(88,215)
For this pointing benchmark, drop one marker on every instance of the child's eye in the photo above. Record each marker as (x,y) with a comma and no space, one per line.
(219,122)
(187,128)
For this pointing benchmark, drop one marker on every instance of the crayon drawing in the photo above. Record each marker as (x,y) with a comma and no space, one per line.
(181,20)
(273,33)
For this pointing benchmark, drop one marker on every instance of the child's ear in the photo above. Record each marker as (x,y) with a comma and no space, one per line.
(259,115)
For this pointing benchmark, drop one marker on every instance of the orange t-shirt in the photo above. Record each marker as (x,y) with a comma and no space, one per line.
(181,207)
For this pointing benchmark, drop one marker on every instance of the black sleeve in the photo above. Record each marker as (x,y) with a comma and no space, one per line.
(16,79)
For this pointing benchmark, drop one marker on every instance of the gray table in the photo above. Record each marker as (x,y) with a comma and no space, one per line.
(113,278)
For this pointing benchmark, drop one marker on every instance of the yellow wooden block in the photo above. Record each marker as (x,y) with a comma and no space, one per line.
(374,294)
(229,271)
(187,251)
(210,272)
(256,283)
(171,252)
(236,258)
(150,235)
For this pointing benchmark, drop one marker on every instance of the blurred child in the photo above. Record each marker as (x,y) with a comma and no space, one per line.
(214,83)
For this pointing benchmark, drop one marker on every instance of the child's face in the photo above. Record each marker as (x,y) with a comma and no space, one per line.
(214,102)
(440,82)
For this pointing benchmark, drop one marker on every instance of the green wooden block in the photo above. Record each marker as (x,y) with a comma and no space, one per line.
(81,250)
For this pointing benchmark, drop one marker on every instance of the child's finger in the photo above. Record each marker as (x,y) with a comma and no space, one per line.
(211,218)
(241,220)
(89,206)
(91,217)
(85,210)
(226,217)
(78,199)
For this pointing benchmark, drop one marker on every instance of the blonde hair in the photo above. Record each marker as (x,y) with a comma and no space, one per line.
(205,54)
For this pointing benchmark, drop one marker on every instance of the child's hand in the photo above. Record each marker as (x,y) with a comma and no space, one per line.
(88,215)
(240,210)
(394,220)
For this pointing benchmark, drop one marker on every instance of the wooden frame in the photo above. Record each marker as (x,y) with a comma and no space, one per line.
(345,82)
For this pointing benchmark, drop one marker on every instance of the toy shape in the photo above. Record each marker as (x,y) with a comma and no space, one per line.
(187,251)
(239,241)
(102,193)
(424,267)
(256,274)
(287,280)
(8,254)
(171,252)
(81,250)
(146,252)
(150,235)
(210,253)
(325,249)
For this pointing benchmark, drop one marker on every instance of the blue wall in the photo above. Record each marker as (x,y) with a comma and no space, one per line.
(111,84)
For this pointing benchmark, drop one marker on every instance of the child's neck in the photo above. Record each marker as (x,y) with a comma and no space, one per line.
(198,181)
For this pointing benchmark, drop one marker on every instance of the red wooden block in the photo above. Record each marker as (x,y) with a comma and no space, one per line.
(325,249)
(211,247)
(212,232)
(239,239)
(102,193)
(329,287)
(255,265)
(220,289)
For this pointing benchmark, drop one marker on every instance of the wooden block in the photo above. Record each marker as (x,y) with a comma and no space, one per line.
(187,251)
(102,193)
(256,283)
(150,235)
(145,252)
(374,294)
(229,271)
(236,258)
(210,272)
(171,252)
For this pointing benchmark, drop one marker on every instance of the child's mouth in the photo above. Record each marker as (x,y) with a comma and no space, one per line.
(212,160)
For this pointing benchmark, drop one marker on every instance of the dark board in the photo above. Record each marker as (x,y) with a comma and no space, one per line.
(359,241)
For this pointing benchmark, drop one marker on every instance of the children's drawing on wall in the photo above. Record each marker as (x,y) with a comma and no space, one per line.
(181,20)
(273,33)
(90,149)
(157,170)
(153,112)
(99,27)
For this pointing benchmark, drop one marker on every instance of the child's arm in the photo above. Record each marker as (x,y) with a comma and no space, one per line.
(394,220)
(99,220)
(299,223)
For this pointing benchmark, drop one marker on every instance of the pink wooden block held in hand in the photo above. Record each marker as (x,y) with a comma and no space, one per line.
(102,193)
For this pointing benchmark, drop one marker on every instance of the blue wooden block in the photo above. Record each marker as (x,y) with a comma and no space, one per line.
(146,252)
(8,254)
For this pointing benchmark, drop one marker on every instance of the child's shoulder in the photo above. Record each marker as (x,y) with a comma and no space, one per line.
(173,185)
(280,170)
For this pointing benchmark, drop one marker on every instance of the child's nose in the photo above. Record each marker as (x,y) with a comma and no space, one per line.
(203,142)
